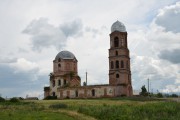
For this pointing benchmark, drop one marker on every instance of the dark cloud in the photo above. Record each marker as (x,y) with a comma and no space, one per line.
(13,83)
(7,60)
(72,28)
(172,56)
(94,31)
(45,35)
(22,50)
(169,18)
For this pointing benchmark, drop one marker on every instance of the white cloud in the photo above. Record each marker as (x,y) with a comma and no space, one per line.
(178,78)
(158,71)
(44,35)
(33,93)
(23,65)
(169,17)
(171,89)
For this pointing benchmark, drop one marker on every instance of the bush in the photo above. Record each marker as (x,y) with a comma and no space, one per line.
(2,99)
(58,106)
(14,100)
(50,98)
(159,95)
(174,95)
(143,91)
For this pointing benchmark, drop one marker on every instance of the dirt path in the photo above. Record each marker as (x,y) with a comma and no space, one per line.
(77,115)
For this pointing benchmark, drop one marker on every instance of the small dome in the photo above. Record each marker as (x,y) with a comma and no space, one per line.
(118,26)
(65,55)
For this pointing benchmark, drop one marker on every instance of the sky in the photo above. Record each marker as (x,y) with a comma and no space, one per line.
(33,32)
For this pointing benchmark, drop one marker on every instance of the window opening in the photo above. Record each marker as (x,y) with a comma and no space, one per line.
(59,82)
(116,42)
(116,53)
(122,64)
(93,92)
(117,75)
(117,64)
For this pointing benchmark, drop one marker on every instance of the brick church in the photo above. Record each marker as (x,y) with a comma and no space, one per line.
(65,82)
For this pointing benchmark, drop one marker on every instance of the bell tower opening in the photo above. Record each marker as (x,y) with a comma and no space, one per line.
(116,42)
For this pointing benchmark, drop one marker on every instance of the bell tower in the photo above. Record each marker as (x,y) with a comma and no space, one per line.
(119,60)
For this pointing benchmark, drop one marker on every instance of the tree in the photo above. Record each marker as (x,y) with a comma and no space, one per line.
(2,99)
(71,74)
(51,76)
(143,91)
(84,83)
(159,95)
(174,95)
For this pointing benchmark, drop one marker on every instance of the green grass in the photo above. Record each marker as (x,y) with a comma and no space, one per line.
(29,111)
(91,109)
(148,111)
(32,115)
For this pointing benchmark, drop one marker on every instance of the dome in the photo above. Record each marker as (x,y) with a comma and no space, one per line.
(118,26)
(65,55)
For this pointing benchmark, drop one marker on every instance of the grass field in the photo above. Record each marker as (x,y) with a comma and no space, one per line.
(91,109)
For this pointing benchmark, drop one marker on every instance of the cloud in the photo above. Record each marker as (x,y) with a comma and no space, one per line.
(171,89)
(157,55)
(21,77)
(24,65)
(7,60)
(72,28)
(159,72)
(45,35)
(172,56)
(169,17)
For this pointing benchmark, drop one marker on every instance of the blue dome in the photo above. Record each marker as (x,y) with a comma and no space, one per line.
(65,55)
(118,26)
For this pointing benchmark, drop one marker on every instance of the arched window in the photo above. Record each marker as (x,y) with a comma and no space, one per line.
(116,42)
(54,94)
(93,92)
(122,64)
(116,53)
(64,81)
(117,64)
(59,65)
(53,83)
(59,82)
(117,75)
(76,93)
(112,65)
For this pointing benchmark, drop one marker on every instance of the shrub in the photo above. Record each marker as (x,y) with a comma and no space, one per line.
(144,91)
(14,100)
(174,95)
(2,99)
(123,95)
(58,106)
(159,95)
(50,98)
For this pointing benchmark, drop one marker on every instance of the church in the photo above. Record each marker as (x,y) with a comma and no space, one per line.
(65,82)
